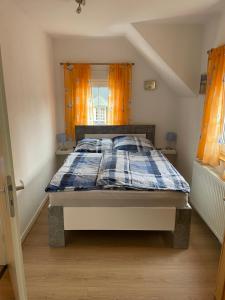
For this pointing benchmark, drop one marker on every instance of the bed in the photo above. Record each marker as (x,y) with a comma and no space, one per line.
(115,208)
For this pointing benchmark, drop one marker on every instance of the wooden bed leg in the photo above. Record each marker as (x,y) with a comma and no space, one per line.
(181,233)
(56,233)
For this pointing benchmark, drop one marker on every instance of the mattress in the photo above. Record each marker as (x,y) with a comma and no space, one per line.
(114,198)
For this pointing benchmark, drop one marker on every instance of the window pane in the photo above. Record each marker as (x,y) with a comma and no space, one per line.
(94,92)
(104,92)
(99,105)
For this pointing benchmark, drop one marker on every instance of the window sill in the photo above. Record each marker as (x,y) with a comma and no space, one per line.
(222,157)
(216,171)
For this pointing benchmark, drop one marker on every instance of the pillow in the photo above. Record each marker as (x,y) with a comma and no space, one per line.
(94,145)
(132,144)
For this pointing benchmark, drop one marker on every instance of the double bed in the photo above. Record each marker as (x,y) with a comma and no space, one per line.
(118,190)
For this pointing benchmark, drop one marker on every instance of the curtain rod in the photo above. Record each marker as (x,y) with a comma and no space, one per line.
(97,64)
(208,52)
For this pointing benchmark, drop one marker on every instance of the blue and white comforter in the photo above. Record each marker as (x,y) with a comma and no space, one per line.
(132,144)
(118,169)
(79,172)
(141,171)
(94,145)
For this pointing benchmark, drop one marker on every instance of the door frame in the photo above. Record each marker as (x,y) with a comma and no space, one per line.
(10,226)
(220,285)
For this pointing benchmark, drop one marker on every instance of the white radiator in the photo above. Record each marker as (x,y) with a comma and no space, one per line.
(207,194)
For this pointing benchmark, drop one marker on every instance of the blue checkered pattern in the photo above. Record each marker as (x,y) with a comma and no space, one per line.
(117,169)
(141,171)
(94,145)
(132,144)
(79,172)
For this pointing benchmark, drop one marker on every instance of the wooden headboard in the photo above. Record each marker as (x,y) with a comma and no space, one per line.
(82,130)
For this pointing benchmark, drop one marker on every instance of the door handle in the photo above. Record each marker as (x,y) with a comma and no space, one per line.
(20,186)
(10,196)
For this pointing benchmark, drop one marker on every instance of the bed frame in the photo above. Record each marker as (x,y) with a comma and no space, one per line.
(175,219)
(147,130)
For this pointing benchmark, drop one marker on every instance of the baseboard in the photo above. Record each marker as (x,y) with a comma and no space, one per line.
(33,220)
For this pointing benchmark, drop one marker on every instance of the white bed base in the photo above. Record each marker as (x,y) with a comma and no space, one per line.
(63,219)
(119,218)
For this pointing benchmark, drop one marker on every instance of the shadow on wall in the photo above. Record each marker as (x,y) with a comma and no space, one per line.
(189,112)
(31,198)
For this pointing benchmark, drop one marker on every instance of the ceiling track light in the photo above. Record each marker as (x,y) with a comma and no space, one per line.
(79,2)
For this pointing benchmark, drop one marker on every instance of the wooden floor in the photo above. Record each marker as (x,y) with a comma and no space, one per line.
(120,265)
(6,291)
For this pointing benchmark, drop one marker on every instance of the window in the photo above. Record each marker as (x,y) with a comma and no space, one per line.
(210,147)
(98,103)
(222,144)
(100,114)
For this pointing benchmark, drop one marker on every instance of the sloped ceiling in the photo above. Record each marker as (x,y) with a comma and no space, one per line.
(179,45)
(173,49)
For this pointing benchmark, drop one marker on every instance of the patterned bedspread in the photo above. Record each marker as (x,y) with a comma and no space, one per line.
(132,144)
(141,171)
(94,145)
(79,172)
(118,169)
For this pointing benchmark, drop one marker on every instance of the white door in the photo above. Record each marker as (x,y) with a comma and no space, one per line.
(8,204)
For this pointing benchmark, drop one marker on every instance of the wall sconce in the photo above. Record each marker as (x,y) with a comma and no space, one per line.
(150,85)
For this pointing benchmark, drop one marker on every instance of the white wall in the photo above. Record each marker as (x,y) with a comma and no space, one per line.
(157,107)
(190,110)
(189,121)
(179,45)
(28,74)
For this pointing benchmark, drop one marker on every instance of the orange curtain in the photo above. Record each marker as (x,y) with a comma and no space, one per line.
(77,93)
(213,117)
(120,77)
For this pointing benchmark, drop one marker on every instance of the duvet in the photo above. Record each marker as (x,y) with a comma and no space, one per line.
(117,170)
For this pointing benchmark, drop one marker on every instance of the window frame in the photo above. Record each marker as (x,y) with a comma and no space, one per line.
(222,152)
(98,83)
